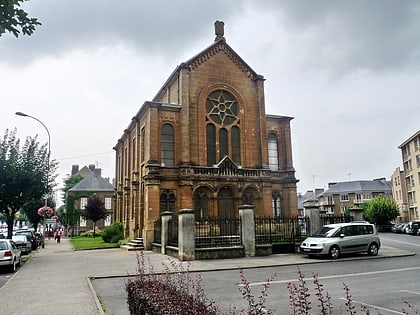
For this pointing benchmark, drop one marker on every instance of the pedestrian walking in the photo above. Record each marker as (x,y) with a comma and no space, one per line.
(58,235)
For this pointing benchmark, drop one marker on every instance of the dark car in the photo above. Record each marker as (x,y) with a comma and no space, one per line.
(31,236)
(40,239)
(397,228)
(414,228)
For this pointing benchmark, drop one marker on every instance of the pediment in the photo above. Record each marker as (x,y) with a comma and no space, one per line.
(227,166)
(222,47)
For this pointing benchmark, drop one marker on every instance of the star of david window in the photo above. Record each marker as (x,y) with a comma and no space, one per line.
(222,107)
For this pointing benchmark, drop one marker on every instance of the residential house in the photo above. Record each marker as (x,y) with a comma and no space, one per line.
(92,183)
(205,143)
(339,196)
(410,150)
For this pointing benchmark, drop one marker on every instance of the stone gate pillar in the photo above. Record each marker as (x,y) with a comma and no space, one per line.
(246,214)
(311,210)
(165,217)
(186,237)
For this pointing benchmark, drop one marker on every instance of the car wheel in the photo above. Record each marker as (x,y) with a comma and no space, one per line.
(373,249)
(20,262)
(334,252)
(13,266)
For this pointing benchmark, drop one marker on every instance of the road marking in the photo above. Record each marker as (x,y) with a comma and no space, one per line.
(411,292)
(340,276)
(391,240)
(374,306)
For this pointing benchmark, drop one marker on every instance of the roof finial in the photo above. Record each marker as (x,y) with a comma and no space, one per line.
(219,30)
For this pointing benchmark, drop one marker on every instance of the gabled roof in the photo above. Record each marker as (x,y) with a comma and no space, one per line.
(219,45)
(359,186)
(93,183)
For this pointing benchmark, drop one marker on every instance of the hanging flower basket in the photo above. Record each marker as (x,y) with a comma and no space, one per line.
(45,211)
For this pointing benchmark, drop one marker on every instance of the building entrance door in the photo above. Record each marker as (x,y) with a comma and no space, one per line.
(226,211)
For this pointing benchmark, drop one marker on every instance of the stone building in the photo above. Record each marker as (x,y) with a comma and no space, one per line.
(77,196)
(205,143)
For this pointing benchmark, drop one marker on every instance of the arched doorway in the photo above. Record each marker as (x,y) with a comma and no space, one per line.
(226,210)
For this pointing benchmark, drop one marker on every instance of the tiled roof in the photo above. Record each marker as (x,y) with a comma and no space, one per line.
(360,186)
(93,183)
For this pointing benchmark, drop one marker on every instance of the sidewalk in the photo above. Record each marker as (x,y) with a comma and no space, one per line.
(56,279)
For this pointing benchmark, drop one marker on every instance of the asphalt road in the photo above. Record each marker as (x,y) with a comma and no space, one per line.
(381,284)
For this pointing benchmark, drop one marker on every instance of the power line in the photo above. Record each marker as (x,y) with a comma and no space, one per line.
(82,156)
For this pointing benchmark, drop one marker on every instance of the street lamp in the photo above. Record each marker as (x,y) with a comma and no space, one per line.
(48,157)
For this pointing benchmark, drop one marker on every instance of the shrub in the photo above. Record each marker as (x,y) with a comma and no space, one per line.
(113,233)
(173,292)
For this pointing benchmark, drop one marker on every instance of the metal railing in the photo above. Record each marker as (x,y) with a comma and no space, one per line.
(217,232)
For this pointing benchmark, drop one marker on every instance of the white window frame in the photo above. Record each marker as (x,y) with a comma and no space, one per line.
(344,197)
(108,203)
(83,202)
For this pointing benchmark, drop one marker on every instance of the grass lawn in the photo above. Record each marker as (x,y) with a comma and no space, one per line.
(85,242)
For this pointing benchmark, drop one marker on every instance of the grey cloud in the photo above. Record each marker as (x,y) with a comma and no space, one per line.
(375,35)
(160,27)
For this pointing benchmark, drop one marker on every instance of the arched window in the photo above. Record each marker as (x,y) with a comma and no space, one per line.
(167,202)
(222,134)
(167,145)
(273,154)
(201,206)
(223,143)
(276,204)
(236,145)
(211,144)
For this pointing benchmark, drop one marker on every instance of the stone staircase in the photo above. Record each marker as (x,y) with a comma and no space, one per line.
(135,244)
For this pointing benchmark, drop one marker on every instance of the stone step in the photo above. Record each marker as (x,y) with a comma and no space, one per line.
(135,244)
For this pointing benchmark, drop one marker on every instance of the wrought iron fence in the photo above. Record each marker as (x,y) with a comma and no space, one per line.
(157,231)
(331,219)
(281,230)
(173,232)
(217,232)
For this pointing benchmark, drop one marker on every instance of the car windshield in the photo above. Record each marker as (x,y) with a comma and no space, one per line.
(325,231)
(3,245)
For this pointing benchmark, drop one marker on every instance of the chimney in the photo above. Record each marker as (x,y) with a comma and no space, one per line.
(97,172)
(219,30)
(74,169)
(92,167)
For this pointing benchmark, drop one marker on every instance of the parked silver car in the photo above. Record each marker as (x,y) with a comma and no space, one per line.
(22,241)
(342,238)
(10,254)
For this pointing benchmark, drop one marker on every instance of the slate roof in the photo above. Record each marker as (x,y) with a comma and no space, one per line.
(360,186)
(93,183)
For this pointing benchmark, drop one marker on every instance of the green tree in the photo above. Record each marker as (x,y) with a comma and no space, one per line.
(30,210)
(14,19)
(71,214)
(26,174)
(381,210)
(94,211)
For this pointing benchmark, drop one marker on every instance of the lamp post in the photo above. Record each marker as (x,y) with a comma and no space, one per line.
(48,159)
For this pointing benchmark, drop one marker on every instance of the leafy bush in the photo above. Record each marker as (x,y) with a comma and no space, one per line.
(113,233)
(174,292)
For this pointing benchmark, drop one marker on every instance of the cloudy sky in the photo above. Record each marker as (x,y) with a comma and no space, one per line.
(348,71)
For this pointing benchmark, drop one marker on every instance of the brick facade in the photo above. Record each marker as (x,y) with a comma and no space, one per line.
(214,105)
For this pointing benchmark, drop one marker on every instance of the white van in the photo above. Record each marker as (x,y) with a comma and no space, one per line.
(342,238)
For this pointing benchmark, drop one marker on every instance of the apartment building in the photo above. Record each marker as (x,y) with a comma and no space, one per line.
(410,151)
(339,196)
(399,194)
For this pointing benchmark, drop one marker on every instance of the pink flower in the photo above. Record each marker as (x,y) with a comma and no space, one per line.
(45,211)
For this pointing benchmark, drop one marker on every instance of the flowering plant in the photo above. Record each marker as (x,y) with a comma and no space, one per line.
(45,211)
